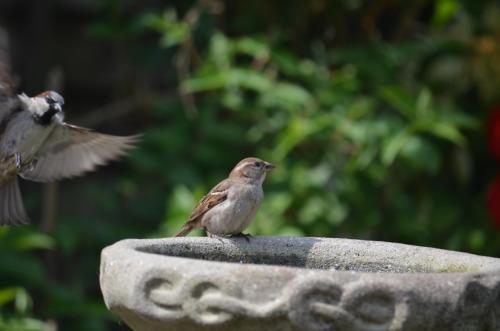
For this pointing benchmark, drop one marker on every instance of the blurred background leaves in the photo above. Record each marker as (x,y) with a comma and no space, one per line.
(382,117)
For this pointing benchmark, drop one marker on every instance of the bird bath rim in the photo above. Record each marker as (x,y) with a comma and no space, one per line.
(317,253)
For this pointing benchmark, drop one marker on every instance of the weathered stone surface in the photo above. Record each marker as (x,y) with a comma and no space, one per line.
(284,284)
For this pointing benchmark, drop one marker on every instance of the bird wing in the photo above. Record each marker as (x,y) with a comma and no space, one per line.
(71,150)
(216,196)
(6,82)
(7,85)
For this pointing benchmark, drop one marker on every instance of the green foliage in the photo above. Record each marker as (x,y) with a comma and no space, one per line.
(352,142)
(17,267)
(174,31)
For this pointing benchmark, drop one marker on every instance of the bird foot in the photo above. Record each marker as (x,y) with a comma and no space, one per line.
(32,164)
(247,236)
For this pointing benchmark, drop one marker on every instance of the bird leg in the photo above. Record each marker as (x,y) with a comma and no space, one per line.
(214,236)
(20,166)
(17,158)
(10,165)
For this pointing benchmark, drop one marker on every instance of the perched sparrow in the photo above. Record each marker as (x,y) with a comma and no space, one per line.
(36,144)
(230,206)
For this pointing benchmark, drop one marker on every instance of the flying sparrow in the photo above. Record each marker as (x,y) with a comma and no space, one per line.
(230,206)
(36,144)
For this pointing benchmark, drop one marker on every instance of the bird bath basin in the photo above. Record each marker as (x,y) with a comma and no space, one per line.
(287,283)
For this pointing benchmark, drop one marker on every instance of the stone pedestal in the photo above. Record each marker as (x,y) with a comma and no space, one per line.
(285,284)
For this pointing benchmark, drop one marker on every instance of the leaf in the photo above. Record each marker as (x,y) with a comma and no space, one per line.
(444,11)
(287,95)
(287,63)
(220,51)
(25,324)
(252,47)
(22,301)
(424,104)
(399,99)
(30,241)
(7,294)
(173,30)
(459,119)
(298,130)
(209,82)
(250,79)
(394,145)
(295,132)
(448,132)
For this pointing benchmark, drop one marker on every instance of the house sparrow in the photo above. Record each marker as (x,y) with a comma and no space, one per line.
(36,144)
(230,206)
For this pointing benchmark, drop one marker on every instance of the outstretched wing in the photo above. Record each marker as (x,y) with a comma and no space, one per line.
(71,150)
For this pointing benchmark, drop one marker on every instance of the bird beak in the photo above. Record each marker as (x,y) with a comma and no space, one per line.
(269,166)
(57,107)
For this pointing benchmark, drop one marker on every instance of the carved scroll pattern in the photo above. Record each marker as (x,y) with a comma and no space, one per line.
(479,305)
(310,302)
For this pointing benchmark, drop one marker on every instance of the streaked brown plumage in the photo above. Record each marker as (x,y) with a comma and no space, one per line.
(230,206)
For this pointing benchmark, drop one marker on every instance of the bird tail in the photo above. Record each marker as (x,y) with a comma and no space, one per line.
(11,204)
(186,228)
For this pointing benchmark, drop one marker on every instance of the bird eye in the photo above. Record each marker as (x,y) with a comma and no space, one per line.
(50,100)
(258,164)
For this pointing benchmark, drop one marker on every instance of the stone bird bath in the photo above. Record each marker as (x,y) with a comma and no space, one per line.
(285,284)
